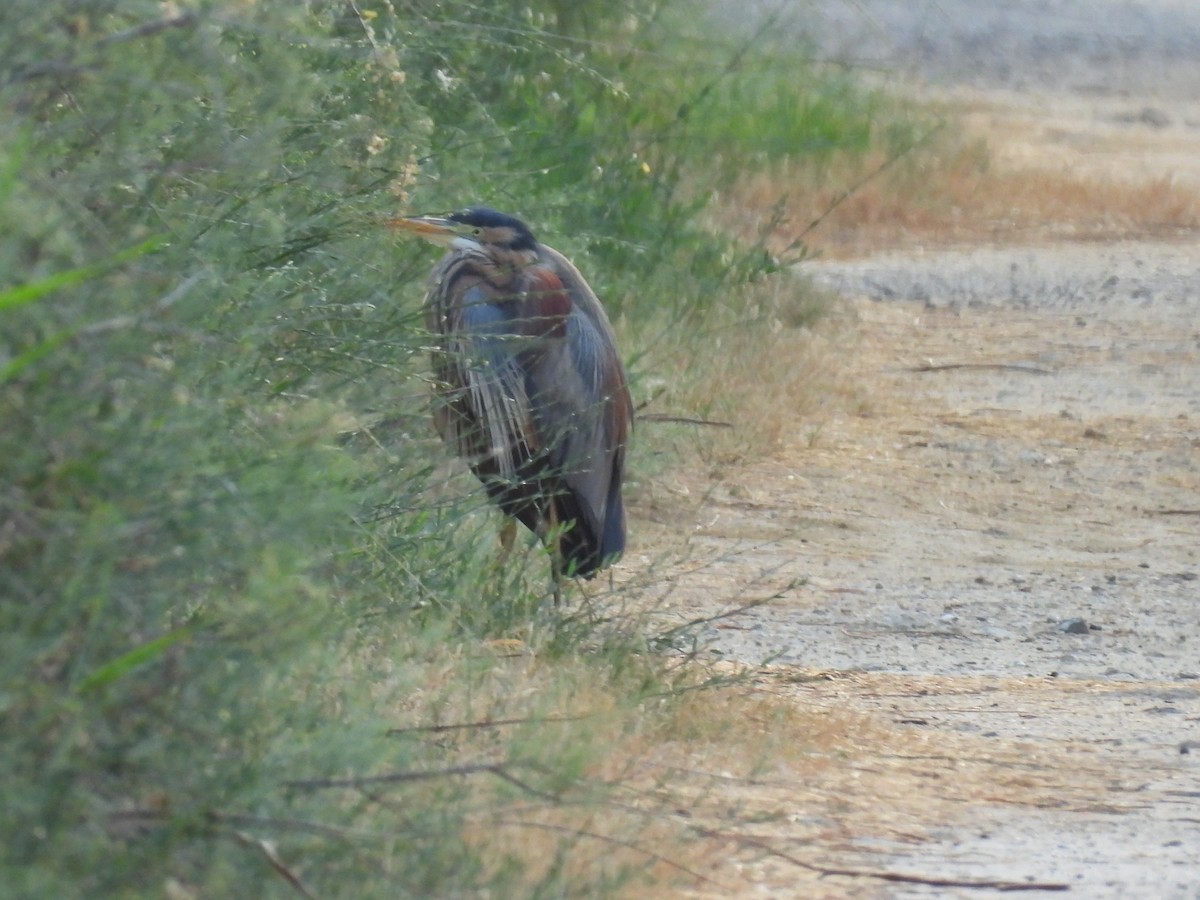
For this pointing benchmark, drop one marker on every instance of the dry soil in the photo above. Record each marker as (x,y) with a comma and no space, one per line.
(985,555)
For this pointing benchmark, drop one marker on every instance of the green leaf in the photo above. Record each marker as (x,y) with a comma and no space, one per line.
(138,656)
(27,293)
(10,170)
(23,360)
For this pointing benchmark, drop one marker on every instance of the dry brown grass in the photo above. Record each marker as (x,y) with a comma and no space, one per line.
(622,818)
(763,782)
(771,362)
(689,798)
(997,181)
(766,783)
(778,781)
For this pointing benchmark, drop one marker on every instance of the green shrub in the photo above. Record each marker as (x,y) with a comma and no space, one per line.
(231,552)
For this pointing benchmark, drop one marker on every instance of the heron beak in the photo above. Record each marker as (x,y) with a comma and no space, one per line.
(432,228)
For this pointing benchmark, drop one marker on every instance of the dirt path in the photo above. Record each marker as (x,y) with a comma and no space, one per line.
(989,558)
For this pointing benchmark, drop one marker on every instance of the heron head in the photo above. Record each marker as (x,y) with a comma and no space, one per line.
(476,228)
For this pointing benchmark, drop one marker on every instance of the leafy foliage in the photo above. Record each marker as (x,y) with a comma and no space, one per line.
(227,538)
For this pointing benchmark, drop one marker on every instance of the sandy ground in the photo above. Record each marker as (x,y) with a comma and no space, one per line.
(989,556)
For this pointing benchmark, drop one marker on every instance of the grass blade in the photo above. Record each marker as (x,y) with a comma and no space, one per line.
(138,656)
(27,293)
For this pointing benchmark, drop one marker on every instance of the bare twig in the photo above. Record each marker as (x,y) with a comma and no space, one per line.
(682,420)
(895,877)
(486,723)
(268,849)
(608,839)
(862,182)
(730,613)
(1013,367)
(735,62)
(282,824)
(369,32)
(645,403)
(120,323)
(148,29)
(500,770)
(65,68)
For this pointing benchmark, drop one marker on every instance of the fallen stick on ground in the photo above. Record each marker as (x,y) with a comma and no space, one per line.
(1015,367)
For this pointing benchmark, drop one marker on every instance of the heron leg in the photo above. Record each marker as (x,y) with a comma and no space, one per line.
(556,568)
(508,538)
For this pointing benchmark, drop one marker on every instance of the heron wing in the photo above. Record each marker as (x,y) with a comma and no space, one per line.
(581,408)
(534,396)
(484,410)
